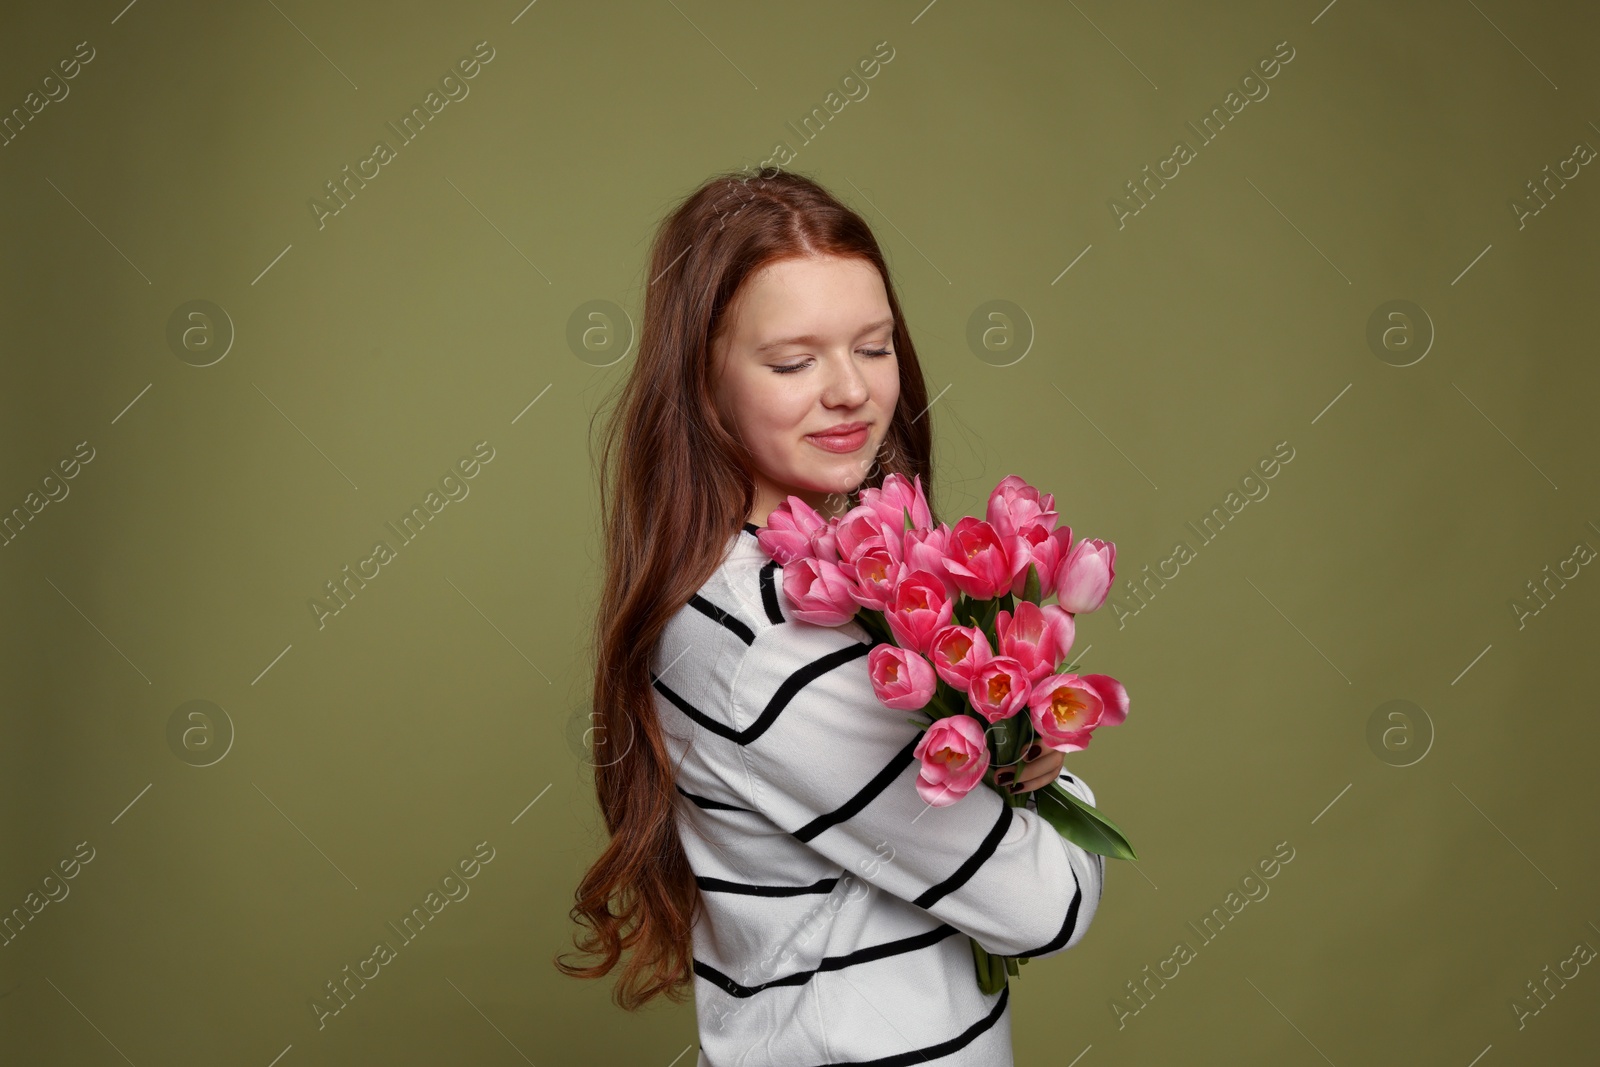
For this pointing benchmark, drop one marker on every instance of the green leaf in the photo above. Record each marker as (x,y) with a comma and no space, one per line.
(907,513)
(919,722)
(985,617)
(1082,824)
(1030,589)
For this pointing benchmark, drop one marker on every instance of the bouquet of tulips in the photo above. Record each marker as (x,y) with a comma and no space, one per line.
(965,637)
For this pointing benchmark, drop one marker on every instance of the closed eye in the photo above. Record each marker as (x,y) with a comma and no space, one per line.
(790,368)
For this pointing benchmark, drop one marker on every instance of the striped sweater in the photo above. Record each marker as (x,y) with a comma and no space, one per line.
(837,905)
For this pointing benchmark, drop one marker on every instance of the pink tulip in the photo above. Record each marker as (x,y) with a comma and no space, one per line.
(1037,637)
(902,679)
(979,562)
(821,592)
(1084,576)
(957,652)
(1046,550)
(1020,515)
(787,535)
(899,493)
(861,528)
(877,571)
(918,608)
(999,688)
(1064,712)
(824,541)
(1015,505)
(925,550)
(1066,709)
(954,754)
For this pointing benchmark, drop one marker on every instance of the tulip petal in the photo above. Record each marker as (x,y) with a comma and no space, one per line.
(1112,695)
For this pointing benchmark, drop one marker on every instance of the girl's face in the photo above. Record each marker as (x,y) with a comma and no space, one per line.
(808,348)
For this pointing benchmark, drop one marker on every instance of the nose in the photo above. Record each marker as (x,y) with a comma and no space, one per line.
(846,386)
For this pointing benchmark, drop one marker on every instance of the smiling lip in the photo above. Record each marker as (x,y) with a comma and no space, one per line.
(846,438)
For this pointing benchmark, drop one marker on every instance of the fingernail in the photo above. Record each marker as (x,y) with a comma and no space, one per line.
(1003,777)
(1033,751)
(1015,786)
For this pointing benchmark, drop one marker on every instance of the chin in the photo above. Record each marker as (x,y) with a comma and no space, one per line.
(842,484)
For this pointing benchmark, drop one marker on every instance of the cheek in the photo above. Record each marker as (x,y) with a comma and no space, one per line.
(886,385)
(769,408)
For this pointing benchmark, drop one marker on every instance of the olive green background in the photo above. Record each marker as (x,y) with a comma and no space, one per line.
(1441,861)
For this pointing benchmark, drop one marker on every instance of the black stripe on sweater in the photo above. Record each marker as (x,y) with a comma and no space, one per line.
(706,802)
(722,729)
(1068,925)
(967,869)
(726,618)
(769,591)
(943,1048)
(801,678)
(828,963)
(786,692)
(865,795)
(722,885)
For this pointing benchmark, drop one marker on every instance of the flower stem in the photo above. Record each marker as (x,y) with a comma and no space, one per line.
(875,624)
(991,970)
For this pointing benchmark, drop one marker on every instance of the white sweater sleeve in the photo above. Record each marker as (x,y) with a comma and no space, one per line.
(826,762)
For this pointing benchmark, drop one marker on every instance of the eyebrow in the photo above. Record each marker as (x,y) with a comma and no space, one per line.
(812,339)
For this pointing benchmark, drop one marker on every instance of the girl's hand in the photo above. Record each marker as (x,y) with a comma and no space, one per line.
(1034,773)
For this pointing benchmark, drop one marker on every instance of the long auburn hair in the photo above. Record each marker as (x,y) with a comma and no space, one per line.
(675,485)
